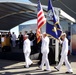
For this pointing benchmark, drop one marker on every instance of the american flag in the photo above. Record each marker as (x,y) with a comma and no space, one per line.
(40,20)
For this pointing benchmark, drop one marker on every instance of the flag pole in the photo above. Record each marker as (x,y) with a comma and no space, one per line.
(57,51)
(57,42)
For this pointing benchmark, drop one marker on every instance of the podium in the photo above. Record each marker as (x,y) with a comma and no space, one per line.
(5,44)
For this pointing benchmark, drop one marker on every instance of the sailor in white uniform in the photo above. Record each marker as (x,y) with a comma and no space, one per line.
(64,53)
(27,51)
(45,51)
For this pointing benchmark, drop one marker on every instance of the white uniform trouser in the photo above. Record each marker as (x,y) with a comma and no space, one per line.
(45,61)
(13,43)
(64,59)
(27,59)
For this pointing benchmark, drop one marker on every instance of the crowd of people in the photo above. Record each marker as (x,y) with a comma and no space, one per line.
(28,41)
(14,40)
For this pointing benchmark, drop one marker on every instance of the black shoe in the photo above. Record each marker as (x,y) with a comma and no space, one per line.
(31,65)
(46,70)
(26,67)
(69,72)
(56,68)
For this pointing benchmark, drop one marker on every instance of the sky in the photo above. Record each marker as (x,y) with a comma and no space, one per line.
(15,0)
(23,0)
(30,22)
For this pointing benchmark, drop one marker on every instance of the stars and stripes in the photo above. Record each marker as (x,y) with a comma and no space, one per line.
(40,20)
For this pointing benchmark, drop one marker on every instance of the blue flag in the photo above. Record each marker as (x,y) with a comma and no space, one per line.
(52,26)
